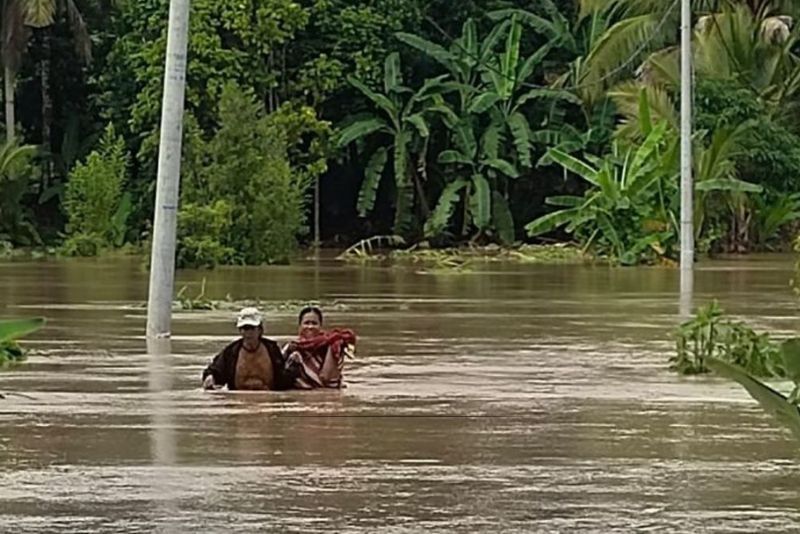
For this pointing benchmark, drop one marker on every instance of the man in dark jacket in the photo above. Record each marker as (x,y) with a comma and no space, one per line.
(252,362)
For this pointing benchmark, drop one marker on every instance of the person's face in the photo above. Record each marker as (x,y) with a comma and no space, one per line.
(310,325)
(251,335)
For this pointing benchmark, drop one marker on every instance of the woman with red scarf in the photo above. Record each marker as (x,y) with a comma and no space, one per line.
(316,358)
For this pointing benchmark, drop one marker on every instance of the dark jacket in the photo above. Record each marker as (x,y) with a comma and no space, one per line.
(223,366)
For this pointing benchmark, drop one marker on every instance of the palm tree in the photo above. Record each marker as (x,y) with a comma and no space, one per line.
(18,18)
(733,44)
(637,28)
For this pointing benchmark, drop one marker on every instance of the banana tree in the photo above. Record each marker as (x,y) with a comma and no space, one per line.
(505,92)
(402,120)
(463,58)
(624,213)
(483,204)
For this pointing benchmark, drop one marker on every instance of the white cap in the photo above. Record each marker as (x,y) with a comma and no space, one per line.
(249,317)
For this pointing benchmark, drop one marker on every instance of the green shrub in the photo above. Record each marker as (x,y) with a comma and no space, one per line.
(202,230)
(94,202)
(244,166)
(83,245)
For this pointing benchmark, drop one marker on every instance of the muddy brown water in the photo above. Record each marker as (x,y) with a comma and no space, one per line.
(513,399)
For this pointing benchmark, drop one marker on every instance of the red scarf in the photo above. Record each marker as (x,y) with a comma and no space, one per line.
(336,339)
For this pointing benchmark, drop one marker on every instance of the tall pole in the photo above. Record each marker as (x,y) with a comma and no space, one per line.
(687,212)
(162,259)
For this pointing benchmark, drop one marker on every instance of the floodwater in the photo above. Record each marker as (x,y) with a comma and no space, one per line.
(515,399)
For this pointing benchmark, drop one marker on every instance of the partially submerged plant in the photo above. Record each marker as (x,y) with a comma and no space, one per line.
(710,334)
(200,302)
(11,330)
(783,408)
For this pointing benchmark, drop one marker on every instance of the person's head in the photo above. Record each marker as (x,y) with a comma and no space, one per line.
(310,321)
(251,327)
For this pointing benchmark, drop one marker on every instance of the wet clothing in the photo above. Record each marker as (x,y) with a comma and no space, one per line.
(239,369)
(254,370)
(318,362)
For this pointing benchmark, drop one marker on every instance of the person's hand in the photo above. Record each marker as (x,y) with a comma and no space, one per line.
(208,383)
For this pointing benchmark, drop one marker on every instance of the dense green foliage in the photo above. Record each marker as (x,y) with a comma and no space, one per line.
(96,207)
(411,117)
(241,202)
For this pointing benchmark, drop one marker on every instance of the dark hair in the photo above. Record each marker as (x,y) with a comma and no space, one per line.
(310,309)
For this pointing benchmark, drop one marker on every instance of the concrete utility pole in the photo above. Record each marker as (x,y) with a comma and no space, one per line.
(162,261)
(687,212)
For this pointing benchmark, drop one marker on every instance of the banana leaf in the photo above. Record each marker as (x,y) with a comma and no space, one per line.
(770,400)
(790,354)
(12,329)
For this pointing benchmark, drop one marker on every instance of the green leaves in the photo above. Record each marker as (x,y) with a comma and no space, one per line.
(509,61)
(93,196)
(372,178)
(728,184)
(10,331)
(483,102)
(429,48)
(520,131)
(480,202)
(14,329)
(503,166)
(418,120)
(551,221)
(361,129)
(574,165)
(392,77)
(773,402)
(446,205)
(383,102)
(454,156)
(502,219)
(622,214)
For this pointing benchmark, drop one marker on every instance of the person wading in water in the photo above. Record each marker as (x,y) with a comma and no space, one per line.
(316,358)
(252,362)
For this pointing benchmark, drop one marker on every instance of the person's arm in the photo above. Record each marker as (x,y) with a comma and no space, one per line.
(286,368)
(331,372)
(215,374)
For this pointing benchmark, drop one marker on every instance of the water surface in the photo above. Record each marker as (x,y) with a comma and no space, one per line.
(514,399)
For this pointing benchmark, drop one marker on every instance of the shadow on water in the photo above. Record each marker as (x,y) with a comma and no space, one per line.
(527,399)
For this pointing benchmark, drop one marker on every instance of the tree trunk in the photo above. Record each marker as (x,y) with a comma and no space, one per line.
(316,213)
(10,79)
(47,100)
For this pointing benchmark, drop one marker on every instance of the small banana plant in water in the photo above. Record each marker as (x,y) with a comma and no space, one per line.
(11,330)
(713,334)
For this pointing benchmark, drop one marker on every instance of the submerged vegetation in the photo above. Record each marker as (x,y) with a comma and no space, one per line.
(712,334)
(11,330)
(499,123)
(457,258)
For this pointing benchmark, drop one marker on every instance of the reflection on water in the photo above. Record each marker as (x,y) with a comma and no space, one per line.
(517,399)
